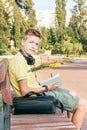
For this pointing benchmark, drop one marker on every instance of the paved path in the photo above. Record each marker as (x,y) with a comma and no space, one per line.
(74,77)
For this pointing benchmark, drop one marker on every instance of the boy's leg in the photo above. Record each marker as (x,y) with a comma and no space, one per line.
(78,117)
(79,114)
(70,115)
(71,103)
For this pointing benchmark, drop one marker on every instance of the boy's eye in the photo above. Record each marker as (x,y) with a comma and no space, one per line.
(37,44)
(31,42)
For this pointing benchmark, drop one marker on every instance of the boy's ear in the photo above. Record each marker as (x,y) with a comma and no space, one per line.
(22,42)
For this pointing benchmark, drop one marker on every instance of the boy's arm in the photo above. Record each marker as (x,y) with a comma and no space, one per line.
(24,88)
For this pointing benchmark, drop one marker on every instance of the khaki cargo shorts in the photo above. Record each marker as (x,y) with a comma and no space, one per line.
(63,95)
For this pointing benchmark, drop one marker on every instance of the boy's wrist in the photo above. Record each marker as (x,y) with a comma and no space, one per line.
(46,88)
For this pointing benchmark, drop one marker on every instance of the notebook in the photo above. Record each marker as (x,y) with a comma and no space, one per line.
(53,79)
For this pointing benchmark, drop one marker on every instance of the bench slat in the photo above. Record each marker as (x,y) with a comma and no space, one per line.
(6,92)
(3,69)
(41,122)
(5,83)
(58,121)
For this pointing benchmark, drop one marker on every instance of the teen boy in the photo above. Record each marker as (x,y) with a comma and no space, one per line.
(23,80)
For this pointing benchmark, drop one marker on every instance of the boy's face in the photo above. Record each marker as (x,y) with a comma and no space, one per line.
(30,45)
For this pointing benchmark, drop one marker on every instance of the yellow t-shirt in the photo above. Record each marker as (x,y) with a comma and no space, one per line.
(18,70)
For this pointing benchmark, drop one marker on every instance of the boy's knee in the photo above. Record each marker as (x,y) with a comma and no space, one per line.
(82,101)
(82,104)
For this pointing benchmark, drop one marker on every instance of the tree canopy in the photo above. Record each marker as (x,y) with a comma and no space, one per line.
(16,18)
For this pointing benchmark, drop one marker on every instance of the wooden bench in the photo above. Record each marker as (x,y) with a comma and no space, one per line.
(8,121)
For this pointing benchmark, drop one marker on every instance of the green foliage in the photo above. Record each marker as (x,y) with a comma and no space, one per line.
(30,14)
(12,22)
(56,48)
(51,38)
(78,22)
(14,51)
(67,46)
(61,39)
(77,48)
(2,52)
(44,38)
(4,26)
(39,51)
(39,67)
(60,19)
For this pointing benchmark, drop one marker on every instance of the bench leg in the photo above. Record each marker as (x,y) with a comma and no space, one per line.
(6,109)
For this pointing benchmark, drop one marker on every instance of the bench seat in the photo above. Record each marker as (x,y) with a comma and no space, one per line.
(56,121)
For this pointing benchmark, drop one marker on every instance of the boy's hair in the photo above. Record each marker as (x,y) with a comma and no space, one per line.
(32,32)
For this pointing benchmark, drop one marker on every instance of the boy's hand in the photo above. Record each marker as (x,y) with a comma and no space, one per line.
(53,86)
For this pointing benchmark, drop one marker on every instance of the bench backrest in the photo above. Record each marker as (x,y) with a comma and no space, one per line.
(4,82)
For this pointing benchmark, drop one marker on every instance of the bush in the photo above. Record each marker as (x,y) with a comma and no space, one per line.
(2,52)
(39,67)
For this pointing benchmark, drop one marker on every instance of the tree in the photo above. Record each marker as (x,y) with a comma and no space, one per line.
(17,27)
(67,46)
(4,27)
(78,22)
(14,20)
(56,48)
(44,43)
(30,12)
(77,48)
(60,19)
(51,38)
(23,19)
